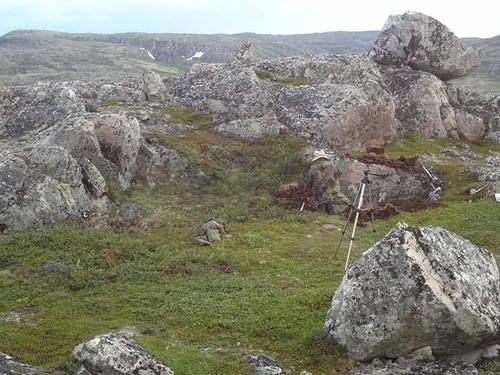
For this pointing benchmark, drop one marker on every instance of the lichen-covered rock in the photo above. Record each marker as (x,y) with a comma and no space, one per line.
(43,185)
(341,69)
(338,116)
(479,114)
(152,86)
(422,105)
(227,92)
(12,366)
(386,183)
(113,354)
(417,287)
(423,43)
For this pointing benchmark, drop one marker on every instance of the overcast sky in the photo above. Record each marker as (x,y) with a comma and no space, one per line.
(477,18)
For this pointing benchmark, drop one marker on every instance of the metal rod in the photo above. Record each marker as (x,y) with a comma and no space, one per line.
(347,220)
(429,174)
(360,203)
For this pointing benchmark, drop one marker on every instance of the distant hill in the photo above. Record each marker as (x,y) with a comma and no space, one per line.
(487,76)
(27,56)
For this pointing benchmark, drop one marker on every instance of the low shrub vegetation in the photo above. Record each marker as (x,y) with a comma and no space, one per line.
(205,309)
(188,116)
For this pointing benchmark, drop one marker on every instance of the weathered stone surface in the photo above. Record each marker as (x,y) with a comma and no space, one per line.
(385,183)
(417,287)
(422,105)
(423,43)
(489,173)
(32,109)
(244,54)
(478,114)
(266,366)
(113,354)
(227,92)
(346,69)
(152,86)
(337,116)
(433,368)
(41,186)
(11,366)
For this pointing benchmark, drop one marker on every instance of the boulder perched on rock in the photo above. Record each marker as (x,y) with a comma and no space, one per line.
(421,42)
(418,287)
(113,354)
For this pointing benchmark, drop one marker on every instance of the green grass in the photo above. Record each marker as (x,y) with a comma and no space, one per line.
(203,310)
(110,102)
(189,117)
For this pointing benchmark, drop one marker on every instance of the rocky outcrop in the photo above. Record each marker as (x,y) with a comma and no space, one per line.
(113,354)
(348,101)
(423,43)
(66,145)
(342,101)
(477,114)
(109,131)
(45,185)
(387,182)
(228,93)
(418,287)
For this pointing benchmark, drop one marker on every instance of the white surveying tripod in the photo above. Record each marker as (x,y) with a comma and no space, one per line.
(357,205)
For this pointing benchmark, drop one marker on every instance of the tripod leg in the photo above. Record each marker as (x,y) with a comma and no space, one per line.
(358,194)
(372,209)
(360,203)
(343,231)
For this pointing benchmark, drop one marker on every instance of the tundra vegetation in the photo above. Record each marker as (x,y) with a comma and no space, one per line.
(204,309)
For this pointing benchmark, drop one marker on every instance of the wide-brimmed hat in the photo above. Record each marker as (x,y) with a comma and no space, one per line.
(320,154)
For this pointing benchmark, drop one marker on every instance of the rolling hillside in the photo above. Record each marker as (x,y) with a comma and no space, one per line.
(27,56)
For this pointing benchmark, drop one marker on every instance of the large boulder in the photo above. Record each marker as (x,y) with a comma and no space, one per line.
(44,185)
(113,354)
(333,100)
(112,141)
(338,116)
(423,43)
(422,105)
(388,180)
(417,287)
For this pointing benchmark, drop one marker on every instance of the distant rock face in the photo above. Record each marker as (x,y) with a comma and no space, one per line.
(417,287)
(423,43)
